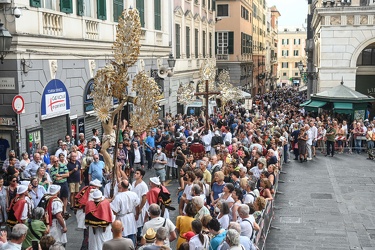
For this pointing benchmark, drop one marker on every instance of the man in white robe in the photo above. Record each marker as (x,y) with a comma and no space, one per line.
(140,188)
(58,228)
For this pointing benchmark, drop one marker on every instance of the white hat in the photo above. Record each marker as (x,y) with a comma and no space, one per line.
(155,180)
(21,189)
(97,194)
(54,189)
(25,183)
(96,183)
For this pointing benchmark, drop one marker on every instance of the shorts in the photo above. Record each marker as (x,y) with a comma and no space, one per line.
(161,174)
(64,191)
(74,187)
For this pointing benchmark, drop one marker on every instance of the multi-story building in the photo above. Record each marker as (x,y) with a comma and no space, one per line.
(56,50)
(193,33)
(234,40)
(271,48)
(345,44)
(291,50)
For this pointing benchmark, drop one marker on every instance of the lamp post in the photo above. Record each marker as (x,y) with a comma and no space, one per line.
(306,74)
(5,42)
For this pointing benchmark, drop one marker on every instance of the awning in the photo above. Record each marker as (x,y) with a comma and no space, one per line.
(305,103)
(343,105)
(316,104)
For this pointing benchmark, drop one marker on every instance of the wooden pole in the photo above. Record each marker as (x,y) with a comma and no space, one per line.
(114,169)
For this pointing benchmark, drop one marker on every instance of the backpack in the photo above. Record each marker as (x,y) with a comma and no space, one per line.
(165,198)
(44,201)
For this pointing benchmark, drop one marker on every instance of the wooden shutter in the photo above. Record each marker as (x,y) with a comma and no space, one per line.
(80,9)
(35,3)
(66,6)
(230,42)
(187,42)
(101,9)
(216,42)
(118,7)
(141,9)
(157,10)
(213,5)
(178,41)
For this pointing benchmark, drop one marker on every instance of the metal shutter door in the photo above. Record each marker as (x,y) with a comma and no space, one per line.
(54,129)
(90,123)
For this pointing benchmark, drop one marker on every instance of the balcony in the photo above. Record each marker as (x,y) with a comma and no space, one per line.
(52,24)
(92,32)
(246,57)
(222,57)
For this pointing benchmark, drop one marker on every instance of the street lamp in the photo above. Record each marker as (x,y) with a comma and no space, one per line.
(307,74)
(5,42)
(171,61)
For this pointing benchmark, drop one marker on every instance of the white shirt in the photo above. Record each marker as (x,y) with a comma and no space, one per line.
(195,243)
(124,207)
(107,190)
(246,229)
(224,221)
(157,223)
(256,171)
(228,137)
(206,139)
(59,151)
(314,131)
(137,156)
(141,189)
(309,137)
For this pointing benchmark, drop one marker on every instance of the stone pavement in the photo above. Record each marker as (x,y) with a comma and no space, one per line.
(327,203)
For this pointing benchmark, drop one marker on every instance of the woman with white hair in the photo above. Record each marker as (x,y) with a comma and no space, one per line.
(199,205)
(233,240)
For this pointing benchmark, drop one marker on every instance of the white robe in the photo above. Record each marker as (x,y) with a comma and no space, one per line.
(56,229)
(80,215)
(97,240)
(141,189)
(124,207)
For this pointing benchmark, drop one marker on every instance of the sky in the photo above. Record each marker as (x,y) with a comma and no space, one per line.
(293,12)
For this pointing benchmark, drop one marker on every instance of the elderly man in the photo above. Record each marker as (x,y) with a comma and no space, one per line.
(248,224)
(157,222)
(33,166)
(98,219)
(159,160)
(243,240)
(124,207)
(17,236)
(206,174)
(62,149)
(11,154)
(74,179)
(161,236)
(46,156)
(118,242)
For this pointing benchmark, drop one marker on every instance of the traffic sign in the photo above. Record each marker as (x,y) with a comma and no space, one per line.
(18,104)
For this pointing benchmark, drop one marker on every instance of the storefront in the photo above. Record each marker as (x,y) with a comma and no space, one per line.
(55,110)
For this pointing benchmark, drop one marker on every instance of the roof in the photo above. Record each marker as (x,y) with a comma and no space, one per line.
(342,92)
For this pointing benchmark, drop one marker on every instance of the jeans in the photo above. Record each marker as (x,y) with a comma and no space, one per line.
(133,237)
(161,174)
(370,144)
(285,153)
(357,145)
(330,146)
(149,159)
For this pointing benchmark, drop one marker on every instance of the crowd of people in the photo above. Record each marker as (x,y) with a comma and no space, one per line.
(226,168)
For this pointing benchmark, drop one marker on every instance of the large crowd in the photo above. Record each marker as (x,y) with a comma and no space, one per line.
(226,167)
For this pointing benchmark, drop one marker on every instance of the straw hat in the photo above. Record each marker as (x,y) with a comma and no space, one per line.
(150,235)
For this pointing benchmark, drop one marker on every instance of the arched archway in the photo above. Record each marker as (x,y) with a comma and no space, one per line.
(365,75)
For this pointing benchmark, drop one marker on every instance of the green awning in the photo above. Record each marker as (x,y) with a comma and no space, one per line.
(343,105)
(316,104)
(305,103)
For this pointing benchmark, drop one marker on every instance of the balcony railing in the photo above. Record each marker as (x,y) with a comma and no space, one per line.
(247,57)
(92,29)
(223,57)
(52,24)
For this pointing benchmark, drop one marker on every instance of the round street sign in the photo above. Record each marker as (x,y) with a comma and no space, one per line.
(18,104)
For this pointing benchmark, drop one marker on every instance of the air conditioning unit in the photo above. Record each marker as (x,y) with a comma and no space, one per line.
(5,1)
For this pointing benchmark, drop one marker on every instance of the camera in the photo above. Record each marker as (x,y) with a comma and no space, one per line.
(17,12)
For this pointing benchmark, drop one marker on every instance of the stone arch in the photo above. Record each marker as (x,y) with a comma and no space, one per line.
(358,50)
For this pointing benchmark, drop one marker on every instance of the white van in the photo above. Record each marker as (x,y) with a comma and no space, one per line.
(194,108)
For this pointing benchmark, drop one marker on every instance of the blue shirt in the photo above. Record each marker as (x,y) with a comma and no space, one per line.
(46,159)
(217,189)
(216,241)
(96,170)
(150,141)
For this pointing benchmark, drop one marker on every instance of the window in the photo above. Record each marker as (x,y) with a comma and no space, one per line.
(84,8)
(141,9)
(203,3)
(264,19)
(295,52)
(204,43)
(157,11)
(284,73)
(178,41)
(285,41)
(210,42)
(244,13)
(101,9)
(246,43)
(255,11)
(297,41)
(222,10)
(65,6)
(284,65)
(187,42)
(196,43)
(118,6)
(296,74)
(285,52)
(224,42)
(368,56)
(296,65)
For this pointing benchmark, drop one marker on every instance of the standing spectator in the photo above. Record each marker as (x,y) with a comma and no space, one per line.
(160,237)
(248,224)
(36,191)
(17,236)
(36,226)
(150,148)
(46,156)
(135,156)
(11,154)
(74,179)
(118,242)
(62,149)
(3,202)
(357,132)
(95,135)
(218,234)
(33,166)
(159,161)
(59,174)
(69,142)
(96,169)
(330,134)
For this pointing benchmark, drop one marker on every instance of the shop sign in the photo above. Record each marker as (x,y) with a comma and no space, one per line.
(7,83)
(55,100)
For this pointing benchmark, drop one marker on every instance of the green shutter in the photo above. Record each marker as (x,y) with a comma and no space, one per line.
(35,3)
(157,10)
(141,10)
(101,9)
(118,7)
(80,9)
(66,6)
(216,43)
(230,42)
(213,5)
(178,41)
(187,42)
